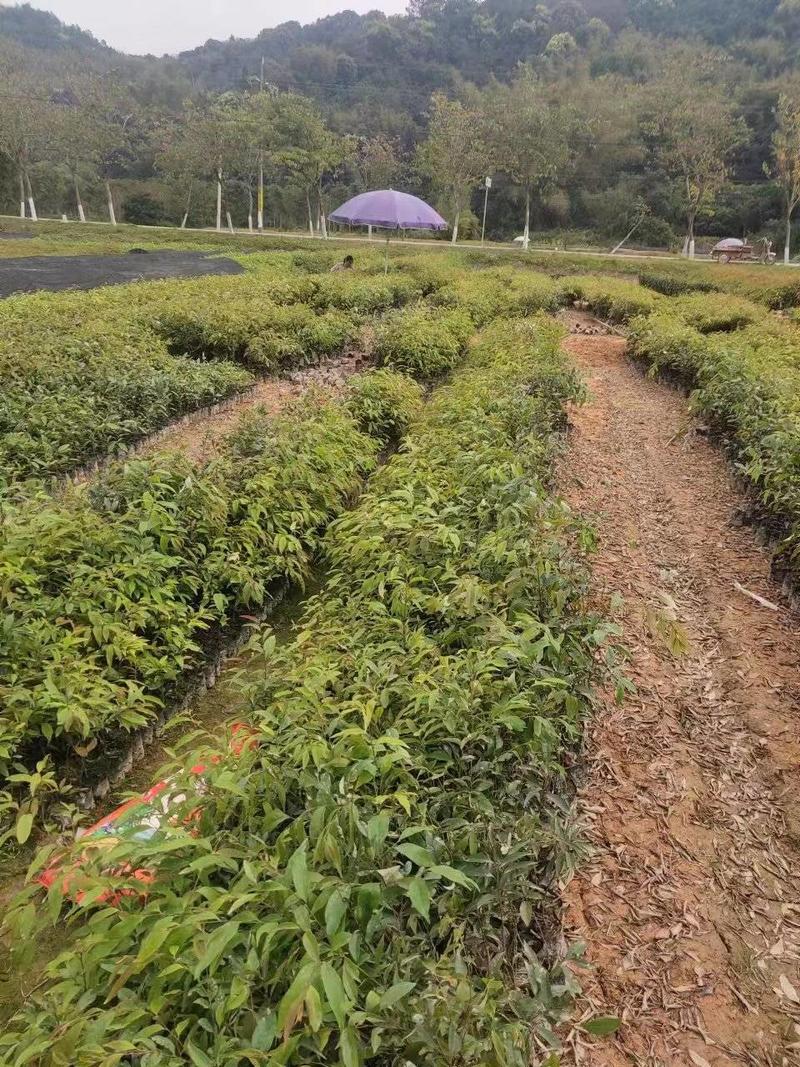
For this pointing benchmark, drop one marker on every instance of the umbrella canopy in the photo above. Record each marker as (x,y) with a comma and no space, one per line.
(389,210)
(729,242)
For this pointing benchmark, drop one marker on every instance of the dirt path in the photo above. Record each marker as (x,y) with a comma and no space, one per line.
(690,901)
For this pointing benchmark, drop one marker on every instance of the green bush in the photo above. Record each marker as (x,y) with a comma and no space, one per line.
(615,299)
(673,284)
(107,591)
(384,403)
(747,385)
(364,883)
(717,313)
(422,342)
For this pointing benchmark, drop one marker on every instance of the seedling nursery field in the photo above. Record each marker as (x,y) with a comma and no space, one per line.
(363,858)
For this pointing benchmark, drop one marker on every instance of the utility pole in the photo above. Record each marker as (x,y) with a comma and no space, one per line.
(261,168)
(487,184)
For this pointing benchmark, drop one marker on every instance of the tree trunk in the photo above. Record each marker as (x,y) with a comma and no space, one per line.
(230,221)
(310,216)
(787,248)
(219,200)
(112,215)
(185,218)
(261,192)
(21,195)
(31,203)
(456,216)
(323,222)
(78,201)
(249,207)
(526,233)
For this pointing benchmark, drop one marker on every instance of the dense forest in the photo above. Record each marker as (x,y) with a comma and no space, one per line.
(661,116)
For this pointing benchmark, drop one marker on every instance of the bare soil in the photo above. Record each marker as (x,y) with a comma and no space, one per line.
(690,901)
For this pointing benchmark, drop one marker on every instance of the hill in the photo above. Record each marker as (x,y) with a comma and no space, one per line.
(372,77)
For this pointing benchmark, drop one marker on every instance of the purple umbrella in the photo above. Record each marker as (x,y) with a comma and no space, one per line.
(389,210)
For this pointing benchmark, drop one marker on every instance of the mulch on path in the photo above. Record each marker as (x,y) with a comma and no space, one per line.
(690,901)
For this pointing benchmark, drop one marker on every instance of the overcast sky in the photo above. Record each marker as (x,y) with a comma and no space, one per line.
(173,25)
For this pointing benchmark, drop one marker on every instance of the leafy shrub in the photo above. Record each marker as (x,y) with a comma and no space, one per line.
(256,333)
(710,314)
(747,384)
(422,342)
(673,285)
(614,299)
(362,883)
(364,294)
(107,591)
(384,403)
(491,294)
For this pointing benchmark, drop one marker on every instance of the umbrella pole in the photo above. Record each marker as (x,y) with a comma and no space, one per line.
(386,258)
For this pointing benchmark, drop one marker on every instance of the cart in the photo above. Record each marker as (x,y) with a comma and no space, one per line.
(732,250)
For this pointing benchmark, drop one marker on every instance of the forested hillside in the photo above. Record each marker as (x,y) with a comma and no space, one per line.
(369,79)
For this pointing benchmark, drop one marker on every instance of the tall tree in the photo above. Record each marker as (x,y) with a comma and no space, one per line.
(690,117)
(214,131)
(786,151)
(455,155)
(311,151)
(377,162)
(532,137)
(23,125)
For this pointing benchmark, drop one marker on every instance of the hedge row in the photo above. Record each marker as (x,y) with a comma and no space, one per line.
(367,882)
(747,385)
(83,374)
(106,591)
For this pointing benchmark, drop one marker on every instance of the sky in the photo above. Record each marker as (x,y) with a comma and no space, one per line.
(158,26)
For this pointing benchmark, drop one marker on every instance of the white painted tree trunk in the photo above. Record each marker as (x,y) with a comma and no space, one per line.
(112,215)
(185,218)
(31,202)
(310,216)
(787,248)
(526,233)
(323,222)
(369,232)
(78,201)
(21,196)
(691,248)
(230,221)
(219,200)
(456,217)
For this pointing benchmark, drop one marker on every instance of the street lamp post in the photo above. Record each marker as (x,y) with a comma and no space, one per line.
(487,184)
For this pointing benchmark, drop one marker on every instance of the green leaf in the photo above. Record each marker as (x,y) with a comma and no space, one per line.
(452,874)
(350,1048)
(197,1056)
(602,1025)
(396,993)
(298,870)
(24,827)
(264,1033)
(420,896)
(421,856)
(336,996)
(215,946)
(335,910)
(378,828)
